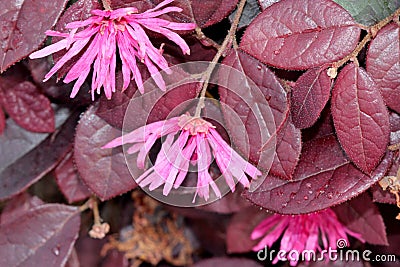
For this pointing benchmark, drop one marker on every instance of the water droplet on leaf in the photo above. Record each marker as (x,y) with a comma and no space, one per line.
(56,251)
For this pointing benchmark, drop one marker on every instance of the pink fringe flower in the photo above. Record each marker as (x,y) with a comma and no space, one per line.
(103,32)
(197,143)
(302,233)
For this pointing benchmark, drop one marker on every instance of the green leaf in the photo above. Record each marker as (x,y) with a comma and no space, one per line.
(369,12)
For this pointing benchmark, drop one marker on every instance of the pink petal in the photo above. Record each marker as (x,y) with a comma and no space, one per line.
(48,50)
(160,5)
(74,50)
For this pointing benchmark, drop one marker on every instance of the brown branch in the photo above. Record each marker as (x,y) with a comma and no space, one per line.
(372,32)
(204,39)
(227,41)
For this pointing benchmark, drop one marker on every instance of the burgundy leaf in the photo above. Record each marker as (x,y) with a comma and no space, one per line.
(157,105)
(301,34)
(393,234)
(232,202)
(17,206)
(323,126)
(288,150)
(59,92)
(360,117)
(261,94)
(115,258)
(68,180)
(23,27)
(198,52)
(104,171)
(210,230)
(2,121)
(240,228)
(382,196)
(113,110)
(378,194)
(26,105)
(227,262)
(89,249)
(383,64)
(394,120)
(30,167)
(16,141)
(73,260)
(45,233)
(204,13)
(362,216)
(152,106)
(323,177)
(309,97)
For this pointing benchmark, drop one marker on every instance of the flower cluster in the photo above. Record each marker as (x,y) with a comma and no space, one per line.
(302,233)
(187,140)
(102,33)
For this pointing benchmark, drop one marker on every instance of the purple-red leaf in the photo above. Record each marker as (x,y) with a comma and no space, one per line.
(362,216)
(232,202)
(323,126)
(23,26)
(17,206)
(68,180)
(73,260)
(260,102)
(58,92)
(382,196)
(323,177)
(301,34)
(2,121)
(25,170)
(394,120)
(309,97)
(360,117)
(104,171)
(26,105)
(240,228)
(113,110)
(288,150)
(150,107)
(204,13)
(16,141)
(383,64)
(43,234)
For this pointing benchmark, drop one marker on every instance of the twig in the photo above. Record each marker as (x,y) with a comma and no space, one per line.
(96,214)
(227,41)
(372,31)
(202,37)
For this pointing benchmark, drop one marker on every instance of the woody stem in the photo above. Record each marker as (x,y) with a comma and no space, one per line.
(372,31)
(230,37)
(96,214)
